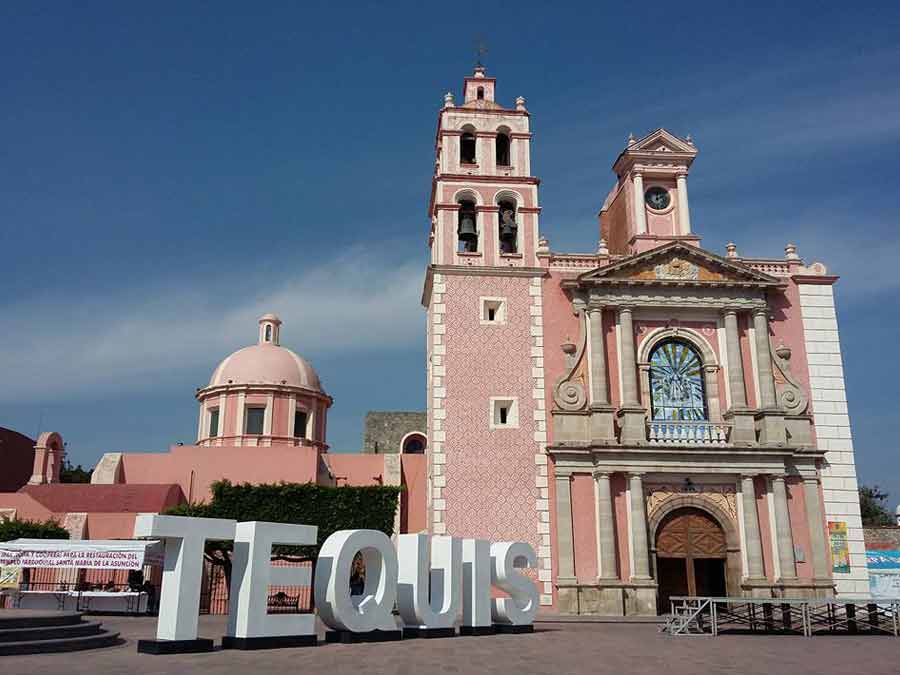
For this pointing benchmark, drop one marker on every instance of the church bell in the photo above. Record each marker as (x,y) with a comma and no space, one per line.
(466,230)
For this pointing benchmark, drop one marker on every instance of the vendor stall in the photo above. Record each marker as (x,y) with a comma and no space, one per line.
(74,559)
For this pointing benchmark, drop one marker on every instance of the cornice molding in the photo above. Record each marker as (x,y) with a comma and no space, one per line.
(489,271)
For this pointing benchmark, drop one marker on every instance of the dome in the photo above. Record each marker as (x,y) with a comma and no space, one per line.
(266,362)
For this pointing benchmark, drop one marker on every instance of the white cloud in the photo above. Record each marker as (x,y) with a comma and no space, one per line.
(53,349)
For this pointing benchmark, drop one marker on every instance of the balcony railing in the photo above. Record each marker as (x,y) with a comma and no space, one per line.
(678,432)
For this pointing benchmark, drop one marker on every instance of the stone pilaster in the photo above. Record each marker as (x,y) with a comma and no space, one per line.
(755,573)
(684,214)
(602,428)
(632,416)
(566,583)
(606,534)
(640,593)
(743,431)
(769,419)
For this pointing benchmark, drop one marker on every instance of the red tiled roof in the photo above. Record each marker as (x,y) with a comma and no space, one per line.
(88,498)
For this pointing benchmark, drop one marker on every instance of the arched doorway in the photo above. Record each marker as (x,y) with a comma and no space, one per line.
(691,556)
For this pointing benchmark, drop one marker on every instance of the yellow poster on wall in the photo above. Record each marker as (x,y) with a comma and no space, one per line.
(9,577)
(840,547)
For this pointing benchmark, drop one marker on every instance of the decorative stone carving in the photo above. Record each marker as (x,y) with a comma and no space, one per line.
(677,268)
(791,396)
(569,392)
(721,495)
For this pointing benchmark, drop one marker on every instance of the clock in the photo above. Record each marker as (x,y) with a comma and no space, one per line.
(657,198)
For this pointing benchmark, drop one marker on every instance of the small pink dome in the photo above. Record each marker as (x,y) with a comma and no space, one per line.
(266,364)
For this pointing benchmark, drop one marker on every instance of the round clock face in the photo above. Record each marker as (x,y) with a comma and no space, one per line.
(657,198)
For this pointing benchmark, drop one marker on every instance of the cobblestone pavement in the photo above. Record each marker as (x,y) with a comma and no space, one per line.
(628,649)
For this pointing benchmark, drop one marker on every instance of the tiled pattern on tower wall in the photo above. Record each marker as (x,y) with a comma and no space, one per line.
(489,483)
(829,406)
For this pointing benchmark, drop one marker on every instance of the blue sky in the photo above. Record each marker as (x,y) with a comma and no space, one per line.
(170,172)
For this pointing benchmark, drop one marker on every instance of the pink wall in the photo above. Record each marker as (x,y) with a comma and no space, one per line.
(356,469)
(196,468)
(749,379)
(415,481)
(620,508)
(26,506)
(584,528)
(110,525)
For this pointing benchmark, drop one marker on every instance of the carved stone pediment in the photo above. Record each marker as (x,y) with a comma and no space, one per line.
(677,263)
(662,141)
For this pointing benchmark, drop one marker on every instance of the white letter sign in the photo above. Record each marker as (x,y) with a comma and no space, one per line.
(518,609)
(428,586)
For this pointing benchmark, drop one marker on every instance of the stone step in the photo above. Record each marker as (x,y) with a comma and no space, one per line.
(24,618)
(101,639)
(49,632)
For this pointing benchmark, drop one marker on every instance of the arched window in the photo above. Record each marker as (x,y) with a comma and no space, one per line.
(467,146)
(480,93)
(466,229)
(677,390)
(414,444)
(501,146)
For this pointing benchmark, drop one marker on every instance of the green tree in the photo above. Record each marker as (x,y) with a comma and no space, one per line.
(74,474)
(871,506)
(370,507)
(31,529)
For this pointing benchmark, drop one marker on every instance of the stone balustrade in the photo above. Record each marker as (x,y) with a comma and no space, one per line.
(684,432)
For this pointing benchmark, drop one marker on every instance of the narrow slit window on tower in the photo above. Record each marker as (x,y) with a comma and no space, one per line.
(213,422)
(502,149)
(268,333)
(480,93)
(299,424)
(466,230)
(493,311)
(467,147)
(504,413)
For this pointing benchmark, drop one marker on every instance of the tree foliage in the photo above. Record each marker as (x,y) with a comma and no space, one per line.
(331,509)
(74,474)
(31,529)
(871,506)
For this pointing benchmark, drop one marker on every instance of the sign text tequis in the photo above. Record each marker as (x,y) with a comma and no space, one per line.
(436,582)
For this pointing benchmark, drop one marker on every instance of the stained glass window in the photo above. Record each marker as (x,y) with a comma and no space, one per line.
(676,382)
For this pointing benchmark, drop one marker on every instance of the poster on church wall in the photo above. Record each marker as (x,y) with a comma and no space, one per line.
(840,547)
(9,577)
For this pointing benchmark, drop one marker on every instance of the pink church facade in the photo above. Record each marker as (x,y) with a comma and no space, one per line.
(654,418)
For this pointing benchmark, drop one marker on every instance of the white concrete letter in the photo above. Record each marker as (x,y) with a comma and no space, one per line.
(429,584)
(359,613)
(518,609)
(179,601)
(252,574)
(476,574)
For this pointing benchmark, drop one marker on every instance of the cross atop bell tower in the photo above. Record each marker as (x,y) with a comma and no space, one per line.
(484,205)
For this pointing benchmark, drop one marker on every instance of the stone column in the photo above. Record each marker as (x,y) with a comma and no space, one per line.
(764,358)
(606,535)
(743,427)
(629,365)
(820,558)
(599,395)
(735,362)
(639,547)
(564,541)
(783,530)
(640,214)
(684,215)
(633,428)
(753,543)
(602,427)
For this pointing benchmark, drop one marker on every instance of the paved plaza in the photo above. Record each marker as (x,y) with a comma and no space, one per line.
(555,648)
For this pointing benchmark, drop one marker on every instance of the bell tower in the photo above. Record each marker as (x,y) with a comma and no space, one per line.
(487,468)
